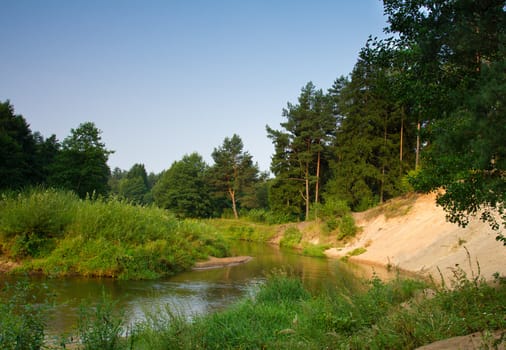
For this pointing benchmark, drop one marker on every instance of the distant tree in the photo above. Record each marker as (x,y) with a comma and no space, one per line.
(309,128)
(81,165)
(46,151)
(234,174)
(183,188)
(134,185)
(117,175)
(17,150)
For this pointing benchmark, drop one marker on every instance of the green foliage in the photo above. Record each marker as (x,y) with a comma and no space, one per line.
(184,188)
(132,185)
(99,327)
(314,250)
(31,220)
(22,317)
(282,314)
(300,148)
(234,176)
(243,230)
(281,288)
(336,214)
(291,238)
(357,251)
(81,165)
(333,207)
(265,216)
(17,150)
(379,315)
(101,237)
(459,96)
(347,227)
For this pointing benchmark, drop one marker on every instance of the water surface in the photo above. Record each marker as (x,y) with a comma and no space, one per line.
(198,292)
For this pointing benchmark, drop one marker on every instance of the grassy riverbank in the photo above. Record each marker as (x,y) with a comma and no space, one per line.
(282,314)
(55,233)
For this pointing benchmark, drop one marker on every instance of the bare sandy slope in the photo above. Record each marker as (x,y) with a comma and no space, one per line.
(423,241)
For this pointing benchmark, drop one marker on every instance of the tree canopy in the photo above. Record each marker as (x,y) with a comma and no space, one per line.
(81,164)
(234,174)
(184,189)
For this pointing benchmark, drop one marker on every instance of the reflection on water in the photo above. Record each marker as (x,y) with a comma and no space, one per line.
(199,292)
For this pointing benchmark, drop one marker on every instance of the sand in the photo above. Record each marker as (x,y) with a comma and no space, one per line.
(423,242)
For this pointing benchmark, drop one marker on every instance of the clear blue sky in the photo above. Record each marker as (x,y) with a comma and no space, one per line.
(165,78)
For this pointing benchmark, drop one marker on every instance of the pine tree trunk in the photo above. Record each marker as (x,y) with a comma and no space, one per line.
(401,142)
(231,192)
(307,191)
(417,158)
(317,186)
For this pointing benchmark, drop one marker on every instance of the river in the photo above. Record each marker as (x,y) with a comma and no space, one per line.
(198,292)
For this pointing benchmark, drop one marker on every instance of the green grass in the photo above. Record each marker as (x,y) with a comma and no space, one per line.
(56,233)
(393,208)
(282,314)
(378,315)
(314,250)
(243,230)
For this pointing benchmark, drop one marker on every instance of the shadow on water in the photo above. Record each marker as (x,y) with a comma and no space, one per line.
(203,291)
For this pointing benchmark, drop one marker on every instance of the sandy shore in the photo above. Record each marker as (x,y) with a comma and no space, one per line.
(423,242)
(214,263)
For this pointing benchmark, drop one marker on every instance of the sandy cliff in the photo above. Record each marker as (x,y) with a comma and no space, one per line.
(422,241)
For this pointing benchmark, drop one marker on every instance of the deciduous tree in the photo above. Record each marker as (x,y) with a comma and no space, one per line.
(183,188)
(81,165)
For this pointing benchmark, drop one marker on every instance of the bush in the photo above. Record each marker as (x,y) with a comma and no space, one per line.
(101,237)
(291,237)
(332,208)
(347,227)
(267,216)
(30,220)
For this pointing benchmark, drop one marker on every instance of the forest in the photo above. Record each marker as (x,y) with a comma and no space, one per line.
(423,109)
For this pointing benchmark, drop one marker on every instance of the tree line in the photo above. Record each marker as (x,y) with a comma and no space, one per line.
(423,108)
(189,187)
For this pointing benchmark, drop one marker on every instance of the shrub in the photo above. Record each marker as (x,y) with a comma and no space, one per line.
(291,237)
(347,227)
(30,220)
(333,207)
(101,237)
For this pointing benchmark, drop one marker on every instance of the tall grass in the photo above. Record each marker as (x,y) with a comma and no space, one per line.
(58,234)
(377,315)
(31,221)
(23,316)
(282,314)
